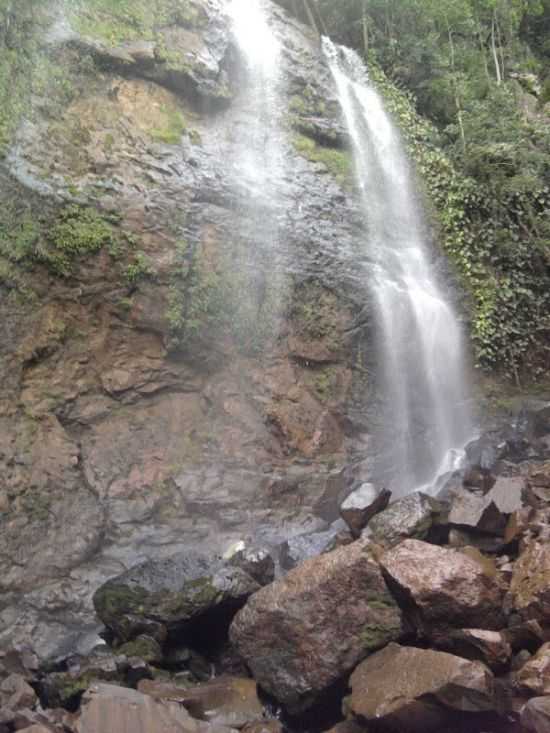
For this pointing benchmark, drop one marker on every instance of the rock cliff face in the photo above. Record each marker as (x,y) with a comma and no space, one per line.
(167,380)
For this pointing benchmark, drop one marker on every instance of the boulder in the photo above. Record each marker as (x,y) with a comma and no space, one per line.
(488,512)
(530,586)
(412,516)
(410,689)
(534,676)
(362,505)
(443,587)
(304,632)
(535,716)
(226,701)
(156,597)
(110,709)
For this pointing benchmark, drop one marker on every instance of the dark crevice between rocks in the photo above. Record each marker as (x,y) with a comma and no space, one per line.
(320,717)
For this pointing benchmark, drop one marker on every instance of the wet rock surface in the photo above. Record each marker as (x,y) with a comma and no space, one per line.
(286,631)
(157,597)
(412,516)
(413,689)
(443,587)
(362,505)
(169,429)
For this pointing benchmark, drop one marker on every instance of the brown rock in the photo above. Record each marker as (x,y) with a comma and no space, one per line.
(539,475)
(530,586)
(228,701)
(489,647)
(362,505)
(305,631)
(527,635)
(412,516)
(110,709)
(16,694)
(534,676)
(535,716)
(414,689)
(444,587)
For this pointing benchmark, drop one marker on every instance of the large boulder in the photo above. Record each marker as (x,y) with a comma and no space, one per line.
(442,587)
(535,716)
(412,516)
(156,597)
(409,689)
(307,630)
(530,586)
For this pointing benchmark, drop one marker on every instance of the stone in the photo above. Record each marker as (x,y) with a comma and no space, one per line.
(286,632)
(256,562)
(110,709)
(490,647)
(539,480)
(487,513)
(530,586)
(442,587)
(142,647)
(409,689)
(297,549)
(16,694)
(412,516)
(361,506)
(534,676)
(535,715)
(225,701)
(527,635)
(155,597)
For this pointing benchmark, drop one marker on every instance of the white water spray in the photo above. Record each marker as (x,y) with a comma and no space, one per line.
(421,355)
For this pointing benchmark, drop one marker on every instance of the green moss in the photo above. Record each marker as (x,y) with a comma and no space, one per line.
(130,20)
(144,647)
(139,269)
(337,162)
(171,127)
(374,636)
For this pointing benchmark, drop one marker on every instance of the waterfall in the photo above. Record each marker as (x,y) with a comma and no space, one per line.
(421,365)
(257,165)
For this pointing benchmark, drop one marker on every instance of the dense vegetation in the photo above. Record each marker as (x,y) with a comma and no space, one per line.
(479,70)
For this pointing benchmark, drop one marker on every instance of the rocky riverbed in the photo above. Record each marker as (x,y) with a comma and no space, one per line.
(422,614)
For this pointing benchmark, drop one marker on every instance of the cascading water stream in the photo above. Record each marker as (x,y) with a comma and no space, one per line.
(257,162)
(420,347)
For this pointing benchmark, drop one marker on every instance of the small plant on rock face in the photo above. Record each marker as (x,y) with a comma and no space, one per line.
(140,268)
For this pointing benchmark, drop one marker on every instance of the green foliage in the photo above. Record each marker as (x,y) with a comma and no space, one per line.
(74,232)
(337,162)
(172,126)
(130,20)
(139,269)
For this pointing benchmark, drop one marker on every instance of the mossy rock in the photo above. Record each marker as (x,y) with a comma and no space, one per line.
(157,597)
(337,162)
